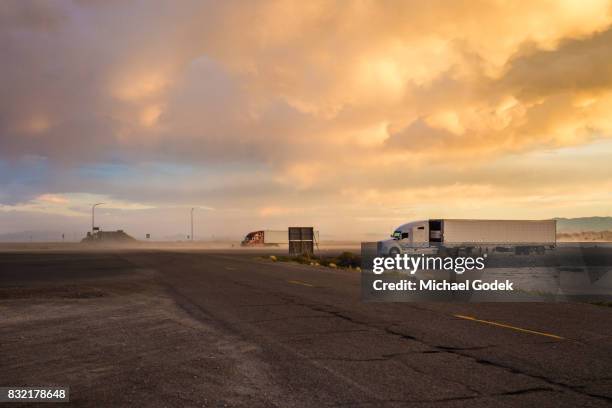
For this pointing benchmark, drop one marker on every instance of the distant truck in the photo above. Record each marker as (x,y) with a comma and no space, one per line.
(266,238)
(465,237)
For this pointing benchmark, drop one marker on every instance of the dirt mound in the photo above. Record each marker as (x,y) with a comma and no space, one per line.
(110,237)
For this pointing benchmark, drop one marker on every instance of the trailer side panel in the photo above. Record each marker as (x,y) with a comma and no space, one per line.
(512,232)
(276,237)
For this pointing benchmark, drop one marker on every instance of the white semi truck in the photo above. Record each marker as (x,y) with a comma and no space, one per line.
(454,237)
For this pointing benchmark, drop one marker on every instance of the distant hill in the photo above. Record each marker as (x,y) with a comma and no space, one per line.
(595,224)
(602,236)
(117,237)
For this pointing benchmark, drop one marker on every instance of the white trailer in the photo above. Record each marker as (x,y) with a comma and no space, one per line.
(276,237)
(515,232)
(466,236)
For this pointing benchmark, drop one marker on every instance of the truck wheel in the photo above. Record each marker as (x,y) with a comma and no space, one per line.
(394,251)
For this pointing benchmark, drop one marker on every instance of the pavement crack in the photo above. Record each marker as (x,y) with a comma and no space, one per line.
(527,391)
(556,385)
(444,400)
(401,335)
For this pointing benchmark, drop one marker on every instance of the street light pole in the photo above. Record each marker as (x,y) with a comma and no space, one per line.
(93,216)
(192,223)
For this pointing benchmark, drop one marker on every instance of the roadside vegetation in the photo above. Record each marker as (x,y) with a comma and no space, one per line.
(347,260)
(585,236)
(602,303)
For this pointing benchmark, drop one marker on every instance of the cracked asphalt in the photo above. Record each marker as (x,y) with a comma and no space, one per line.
(230,329)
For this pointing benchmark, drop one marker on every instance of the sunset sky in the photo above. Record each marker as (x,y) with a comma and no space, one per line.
(352,116)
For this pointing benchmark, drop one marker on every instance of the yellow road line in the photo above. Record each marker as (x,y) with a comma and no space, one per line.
(301,283)
(507,326)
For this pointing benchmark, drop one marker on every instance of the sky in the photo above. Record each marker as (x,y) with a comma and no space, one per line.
(351,116)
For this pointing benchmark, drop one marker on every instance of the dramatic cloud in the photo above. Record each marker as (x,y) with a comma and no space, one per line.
(279,112)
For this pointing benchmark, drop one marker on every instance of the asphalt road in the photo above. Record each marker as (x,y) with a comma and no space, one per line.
(289,335)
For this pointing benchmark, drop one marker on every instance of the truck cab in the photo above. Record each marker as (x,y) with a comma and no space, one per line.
(407,238)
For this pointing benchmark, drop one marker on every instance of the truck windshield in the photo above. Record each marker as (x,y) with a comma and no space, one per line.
(397,235)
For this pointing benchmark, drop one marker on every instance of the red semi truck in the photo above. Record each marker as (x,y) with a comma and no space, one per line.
(266,238)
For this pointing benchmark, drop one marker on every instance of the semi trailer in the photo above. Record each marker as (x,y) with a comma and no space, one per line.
(455,237)
(279,237)
(266,238)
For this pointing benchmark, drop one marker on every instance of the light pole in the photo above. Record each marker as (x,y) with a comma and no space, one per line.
(93,216)
(192,223)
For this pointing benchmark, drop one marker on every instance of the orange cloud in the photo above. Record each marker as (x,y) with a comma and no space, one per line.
(362,106)
(52,199)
